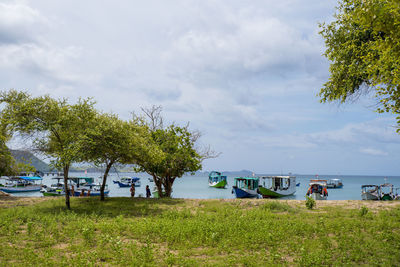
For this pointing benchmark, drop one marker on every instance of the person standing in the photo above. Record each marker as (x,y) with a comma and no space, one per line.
(132,190)
(148,193)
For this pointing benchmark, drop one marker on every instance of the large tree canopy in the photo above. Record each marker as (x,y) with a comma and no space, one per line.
(363,45)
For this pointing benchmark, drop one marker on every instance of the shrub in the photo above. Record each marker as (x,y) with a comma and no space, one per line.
(363,211)
(310,203)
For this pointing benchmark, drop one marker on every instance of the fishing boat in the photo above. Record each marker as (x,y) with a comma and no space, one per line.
(246,187)
(55,189)
(127,181)
(277,186)
(20,184)
(334,183)
(317,190)
(85,186)
(386,191)
(370,192)
(215,179)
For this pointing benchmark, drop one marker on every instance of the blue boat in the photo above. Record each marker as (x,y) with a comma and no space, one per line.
(20,184)
(298,184)
(127,182)
(246,187)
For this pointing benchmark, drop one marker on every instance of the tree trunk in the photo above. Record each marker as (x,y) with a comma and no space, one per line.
(66,189)
(103,185)
(157,181)
(168,186)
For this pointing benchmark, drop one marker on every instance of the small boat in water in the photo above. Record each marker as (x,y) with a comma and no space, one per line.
(277,186)
(246,187)
(370,192)
(386,192)
(127,181)
(334,183)
(317,190)
(298,184)
(215,179)
(21,184)
(56,189)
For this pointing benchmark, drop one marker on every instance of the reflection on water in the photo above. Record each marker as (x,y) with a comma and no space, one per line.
(197,187)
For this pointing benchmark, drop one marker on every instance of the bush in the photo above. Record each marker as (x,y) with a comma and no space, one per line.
(363,211)
(310,203)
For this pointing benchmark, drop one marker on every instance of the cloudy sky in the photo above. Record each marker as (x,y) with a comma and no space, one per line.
(244,73)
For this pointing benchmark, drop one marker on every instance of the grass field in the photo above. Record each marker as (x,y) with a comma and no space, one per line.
(151,232)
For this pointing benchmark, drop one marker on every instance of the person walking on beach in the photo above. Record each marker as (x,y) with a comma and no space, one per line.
(148,193)
(132,190)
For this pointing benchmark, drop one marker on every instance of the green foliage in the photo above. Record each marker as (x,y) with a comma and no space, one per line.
(363,211)
(310,203)
(124,231)
(363,44)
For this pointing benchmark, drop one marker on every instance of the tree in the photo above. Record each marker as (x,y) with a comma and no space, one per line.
(110,141)
(363,44)
(58,124)
(177,153)
(8,166)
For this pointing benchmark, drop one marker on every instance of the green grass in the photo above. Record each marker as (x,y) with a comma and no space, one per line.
(150,232)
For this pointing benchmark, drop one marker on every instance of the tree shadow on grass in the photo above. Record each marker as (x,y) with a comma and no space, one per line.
(111,207)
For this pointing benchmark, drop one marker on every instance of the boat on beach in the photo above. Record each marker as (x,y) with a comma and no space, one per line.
(334,183)
(386,192)
(370,192)
(317,190)
(21,184)
(246,187)
(277,186)
(217,180)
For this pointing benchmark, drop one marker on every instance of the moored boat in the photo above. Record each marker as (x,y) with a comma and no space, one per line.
(246,187)
(317,190)
(334,183)
(370,192)
(277,186)
(56,189)
(386,192)
(127,181)
(21,184)
(215,179)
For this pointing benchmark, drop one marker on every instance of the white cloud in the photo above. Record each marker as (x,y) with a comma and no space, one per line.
(373,151)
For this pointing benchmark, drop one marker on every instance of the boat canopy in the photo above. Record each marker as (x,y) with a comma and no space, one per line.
(79,180)
(247,178)
(214,173)
(368,185)
(28,178)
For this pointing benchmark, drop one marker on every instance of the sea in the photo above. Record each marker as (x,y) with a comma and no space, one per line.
(197,186)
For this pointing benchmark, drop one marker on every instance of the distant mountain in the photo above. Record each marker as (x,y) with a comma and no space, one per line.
(27,157)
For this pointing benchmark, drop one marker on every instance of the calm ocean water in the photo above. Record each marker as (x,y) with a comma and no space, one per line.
(197,187)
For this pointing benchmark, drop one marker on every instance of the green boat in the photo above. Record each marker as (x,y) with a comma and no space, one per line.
(215,179)
(277,186)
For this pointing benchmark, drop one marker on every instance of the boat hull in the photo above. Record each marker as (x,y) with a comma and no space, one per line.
(268,193)
(21,189)
(318,196)
(53,194)
(92,193)
(334,186)
(369,196)
(127,184)
(220,184)
(245,193)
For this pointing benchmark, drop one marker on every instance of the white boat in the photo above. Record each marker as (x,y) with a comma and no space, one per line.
(370,192)
(334,183)
(317,190)
(277,186)
(20,184)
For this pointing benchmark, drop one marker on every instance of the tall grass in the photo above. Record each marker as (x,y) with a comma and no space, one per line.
(148,232)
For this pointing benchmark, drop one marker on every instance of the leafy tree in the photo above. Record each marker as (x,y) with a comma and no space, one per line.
(177,153)
(55,125)
(8,166)
(110,141)
(363,44)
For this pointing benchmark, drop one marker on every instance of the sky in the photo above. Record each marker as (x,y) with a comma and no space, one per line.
(244,73)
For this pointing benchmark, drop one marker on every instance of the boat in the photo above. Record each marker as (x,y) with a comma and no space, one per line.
(151,180)
(127,181)
(317,189)
(298,184)
(56,189)
(370,192)
(334,183)
(85,186)
(21,184)
(386,192)
(215,179)
(277,186)
(246,187)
